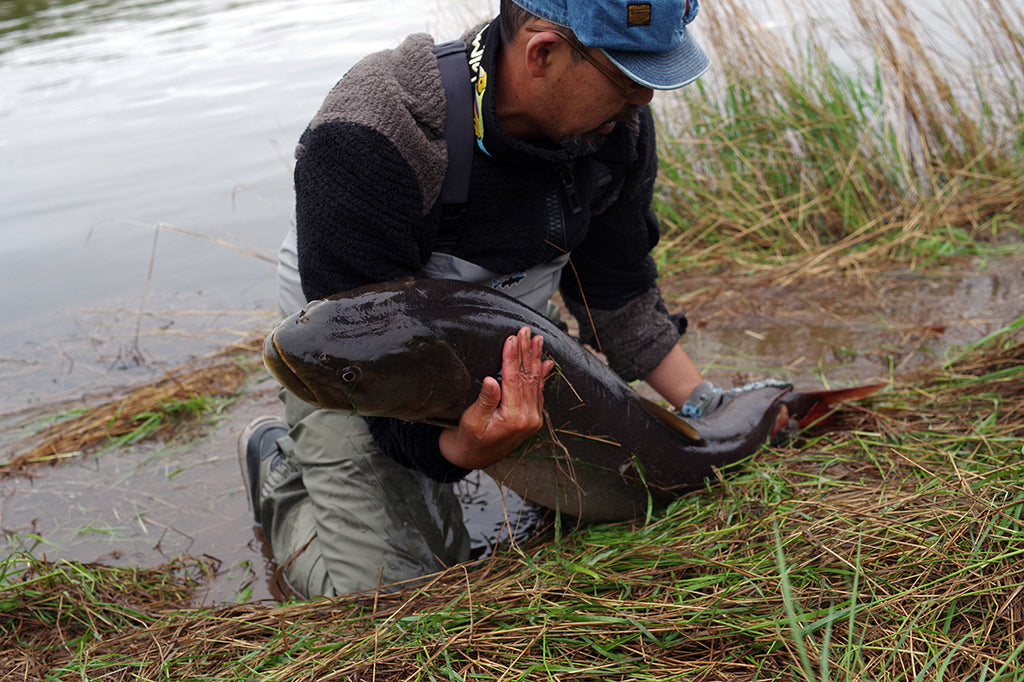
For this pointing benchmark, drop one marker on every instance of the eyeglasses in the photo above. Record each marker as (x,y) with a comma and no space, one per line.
(625,86)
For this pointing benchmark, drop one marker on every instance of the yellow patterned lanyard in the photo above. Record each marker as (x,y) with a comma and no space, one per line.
(479,80)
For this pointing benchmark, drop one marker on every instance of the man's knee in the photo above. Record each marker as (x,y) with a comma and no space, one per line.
(341,516)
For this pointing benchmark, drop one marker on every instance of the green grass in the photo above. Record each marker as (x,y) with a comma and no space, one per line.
(781,156)
(172,414)
(889,546)
(49,611)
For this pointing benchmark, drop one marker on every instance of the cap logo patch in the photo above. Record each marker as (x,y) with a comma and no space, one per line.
(638,14)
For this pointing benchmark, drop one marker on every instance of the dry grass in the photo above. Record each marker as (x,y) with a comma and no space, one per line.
(161,408)
(62,605)
(888,549)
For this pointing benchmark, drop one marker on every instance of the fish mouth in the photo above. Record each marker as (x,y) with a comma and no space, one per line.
(278,366)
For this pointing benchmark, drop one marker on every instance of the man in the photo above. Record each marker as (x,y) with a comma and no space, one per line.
(559,196)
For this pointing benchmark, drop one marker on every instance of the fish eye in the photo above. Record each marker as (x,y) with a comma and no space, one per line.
(350,374)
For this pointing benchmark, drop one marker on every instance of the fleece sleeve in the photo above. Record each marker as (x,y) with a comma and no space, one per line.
(358,210)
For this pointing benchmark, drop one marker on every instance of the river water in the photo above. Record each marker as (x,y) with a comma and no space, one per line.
(121,117)
(145,168)
(145,175)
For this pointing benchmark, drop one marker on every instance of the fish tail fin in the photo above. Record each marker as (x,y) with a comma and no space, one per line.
(809,407)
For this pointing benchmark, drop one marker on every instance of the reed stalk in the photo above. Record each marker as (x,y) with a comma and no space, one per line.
(901,151)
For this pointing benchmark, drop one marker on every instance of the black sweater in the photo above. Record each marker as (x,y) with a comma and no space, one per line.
(367,179)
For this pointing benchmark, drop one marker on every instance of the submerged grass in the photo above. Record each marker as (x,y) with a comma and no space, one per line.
(184,397)
(888,547)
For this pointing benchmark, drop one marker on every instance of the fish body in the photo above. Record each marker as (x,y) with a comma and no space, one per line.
(419,350)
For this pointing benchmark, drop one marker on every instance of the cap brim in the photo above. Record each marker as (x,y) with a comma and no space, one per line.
(676,68)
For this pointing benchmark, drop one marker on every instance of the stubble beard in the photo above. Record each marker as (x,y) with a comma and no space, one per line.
(592,140)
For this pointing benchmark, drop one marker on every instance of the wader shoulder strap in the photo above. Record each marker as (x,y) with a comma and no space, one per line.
(458,135)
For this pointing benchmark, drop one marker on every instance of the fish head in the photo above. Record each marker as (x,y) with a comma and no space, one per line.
(369,357)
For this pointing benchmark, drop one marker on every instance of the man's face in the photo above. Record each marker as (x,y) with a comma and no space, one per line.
(587,104)
(589,141)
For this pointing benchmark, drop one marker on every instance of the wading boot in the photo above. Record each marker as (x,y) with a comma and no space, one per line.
(258,453)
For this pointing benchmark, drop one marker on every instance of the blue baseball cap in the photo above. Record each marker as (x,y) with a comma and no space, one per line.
(647,40)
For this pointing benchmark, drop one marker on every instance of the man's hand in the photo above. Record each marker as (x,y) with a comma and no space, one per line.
(506,414)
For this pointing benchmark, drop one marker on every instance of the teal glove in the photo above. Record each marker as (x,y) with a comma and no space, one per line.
(707,398)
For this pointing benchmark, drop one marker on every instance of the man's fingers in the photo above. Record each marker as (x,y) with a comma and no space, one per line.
(520,395)
(503,415)
(490,394)
(524,358)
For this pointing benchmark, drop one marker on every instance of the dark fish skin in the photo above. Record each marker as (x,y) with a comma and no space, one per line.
(419,349)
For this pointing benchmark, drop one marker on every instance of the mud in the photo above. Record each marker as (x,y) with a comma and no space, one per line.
(839,331)
(143,505)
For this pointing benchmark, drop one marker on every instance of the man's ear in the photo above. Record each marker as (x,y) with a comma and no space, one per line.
(540,48)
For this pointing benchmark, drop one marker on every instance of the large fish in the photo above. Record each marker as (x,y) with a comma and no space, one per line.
(418,350)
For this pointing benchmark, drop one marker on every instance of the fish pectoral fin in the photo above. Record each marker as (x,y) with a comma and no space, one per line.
(672,421)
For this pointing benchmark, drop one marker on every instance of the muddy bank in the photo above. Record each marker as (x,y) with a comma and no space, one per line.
(818,331)
(145,504)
